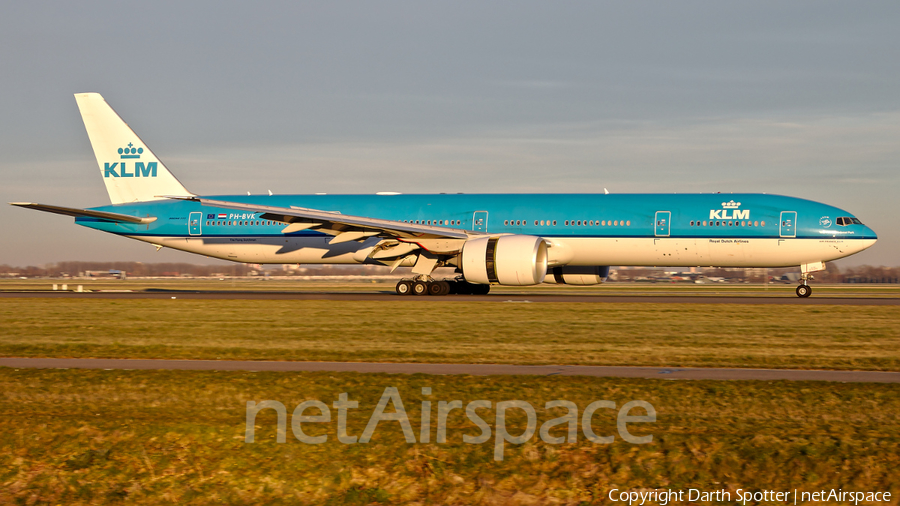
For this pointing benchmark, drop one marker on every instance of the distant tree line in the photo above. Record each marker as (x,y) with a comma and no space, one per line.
(139,269)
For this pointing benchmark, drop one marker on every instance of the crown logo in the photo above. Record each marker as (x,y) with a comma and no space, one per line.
(130,152)
(731,205)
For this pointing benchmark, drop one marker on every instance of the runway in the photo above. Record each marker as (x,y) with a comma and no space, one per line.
(462,369)
(497,297)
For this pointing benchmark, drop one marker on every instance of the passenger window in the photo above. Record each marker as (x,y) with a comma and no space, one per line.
(762,223)
(628,223)
(554,223)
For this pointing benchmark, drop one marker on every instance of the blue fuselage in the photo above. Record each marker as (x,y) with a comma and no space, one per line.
(733,216)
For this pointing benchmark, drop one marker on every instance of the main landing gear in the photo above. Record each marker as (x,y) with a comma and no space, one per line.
(427,286)
(804,290)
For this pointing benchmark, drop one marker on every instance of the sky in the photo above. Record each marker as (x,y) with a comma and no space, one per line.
(796,98)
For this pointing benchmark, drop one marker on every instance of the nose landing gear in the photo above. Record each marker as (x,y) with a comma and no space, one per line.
(804,290)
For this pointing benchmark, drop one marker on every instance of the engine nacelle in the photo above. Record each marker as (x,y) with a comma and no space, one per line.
(577,275)
(508,260)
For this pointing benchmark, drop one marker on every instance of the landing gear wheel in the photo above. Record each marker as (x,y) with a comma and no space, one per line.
(481,289)
(445,287)
(404,287)
(463,288)
(435,288)
(420,288)
(804,291)
(453,286)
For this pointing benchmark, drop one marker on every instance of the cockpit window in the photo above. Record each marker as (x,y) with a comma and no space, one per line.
(847,220)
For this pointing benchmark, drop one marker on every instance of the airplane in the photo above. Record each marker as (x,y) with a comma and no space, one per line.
(489,239)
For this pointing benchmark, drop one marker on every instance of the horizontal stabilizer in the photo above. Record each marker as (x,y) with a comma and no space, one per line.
(69,211)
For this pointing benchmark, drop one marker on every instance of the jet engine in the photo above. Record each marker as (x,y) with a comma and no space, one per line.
(577,275)
(506,260)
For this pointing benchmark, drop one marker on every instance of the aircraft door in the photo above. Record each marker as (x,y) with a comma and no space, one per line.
(194,223)
(479,221)
(788,224)
(662,223)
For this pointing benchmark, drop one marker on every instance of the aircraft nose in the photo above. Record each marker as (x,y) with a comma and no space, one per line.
(868,233)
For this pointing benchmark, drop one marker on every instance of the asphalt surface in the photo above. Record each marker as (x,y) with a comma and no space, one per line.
(498,297)
(465,369)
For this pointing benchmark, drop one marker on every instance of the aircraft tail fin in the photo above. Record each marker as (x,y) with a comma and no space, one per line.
(131,171)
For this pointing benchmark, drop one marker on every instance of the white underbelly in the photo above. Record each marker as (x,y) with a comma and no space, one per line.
(719,252)
(643,251)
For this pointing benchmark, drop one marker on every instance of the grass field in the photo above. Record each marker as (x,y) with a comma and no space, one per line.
(156,437)
(177,437)
(410,330)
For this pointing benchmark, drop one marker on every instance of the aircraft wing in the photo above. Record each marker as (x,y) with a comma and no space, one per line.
(87,213)
(346,227)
